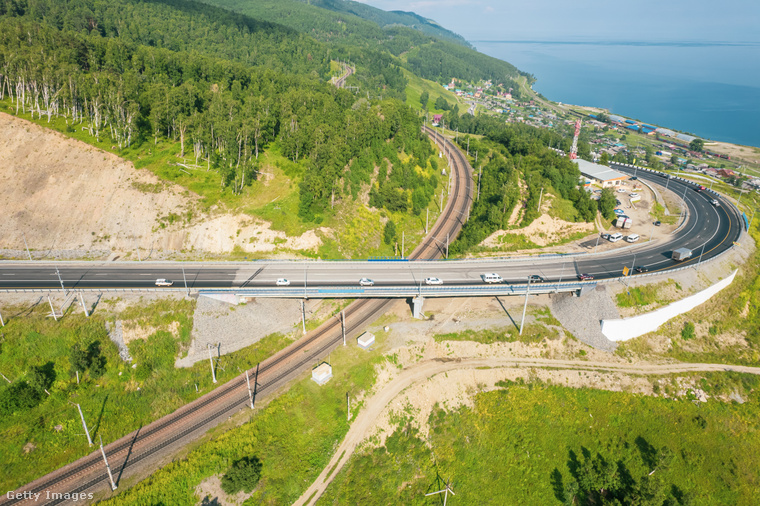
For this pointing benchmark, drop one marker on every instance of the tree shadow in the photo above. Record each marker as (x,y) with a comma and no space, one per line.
(558,485)
(647,451)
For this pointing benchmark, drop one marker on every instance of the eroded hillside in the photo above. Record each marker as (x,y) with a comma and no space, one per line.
(70,199)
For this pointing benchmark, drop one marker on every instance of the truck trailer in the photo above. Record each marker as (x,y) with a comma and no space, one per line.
(681,254)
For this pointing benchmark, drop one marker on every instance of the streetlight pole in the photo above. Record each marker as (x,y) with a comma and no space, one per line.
(211,362)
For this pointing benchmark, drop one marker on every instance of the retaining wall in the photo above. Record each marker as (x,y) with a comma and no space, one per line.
(628,328)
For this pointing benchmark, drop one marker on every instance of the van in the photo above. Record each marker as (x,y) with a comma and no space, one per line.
(632,238)
(615,237)
(491,278)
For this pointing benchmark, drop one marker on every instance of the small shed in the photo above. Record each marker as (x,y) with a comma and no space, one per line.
(322,373)
(366,340)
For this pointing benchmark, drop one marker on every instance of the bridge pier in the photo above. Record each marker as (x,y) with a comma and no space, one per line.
(417,302)
(586,288)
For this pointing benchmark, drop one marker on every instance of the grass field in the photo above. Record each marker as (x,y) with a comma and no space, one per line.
(294,436)
(121,399)
(523,444)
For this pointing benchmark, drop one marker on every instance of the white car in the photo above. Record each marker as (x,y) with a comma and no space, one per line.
(715,203)
(282,282)
(366,282)
(633,195)
(433,281)
(164,282)
(621,190)
(491,277)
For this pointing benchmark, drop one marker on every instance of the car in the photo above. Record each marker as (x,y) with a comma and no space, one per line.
(536,278)
(657,223)
(605,235)
(282,282)
(617,202)
(366,282)
(585,277)
(715,203)
(491,277)
(619,212)
(641,269)
(633,195)
(621,190)
(164,282)
(634,178)
(433,281)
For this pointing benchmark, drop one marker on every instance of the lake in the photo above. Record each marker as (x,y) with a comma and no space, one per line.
(711,90)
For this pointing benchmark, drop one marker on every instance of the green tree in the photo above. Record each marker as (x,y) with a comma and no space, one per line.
(19,396)
(442,104)
(41,377)
(607,202)
(604,159)
(697,145)
(674,159)
(242,475)
(389,232)
(424,98)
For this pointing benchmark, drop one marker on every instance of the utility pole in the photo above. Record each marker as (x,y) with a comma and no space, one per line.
(185,279)
(303,316)
(81,299)
(26,246)
(441,206)
(476,156)
(248,382)
(541,196)
(108,468)
(211,361)
(480,177)
(525,307)
(2,323)
(343,325)
(468,145)
(700,256)
(84,424)
(52,309)
(597,242)
(447,245)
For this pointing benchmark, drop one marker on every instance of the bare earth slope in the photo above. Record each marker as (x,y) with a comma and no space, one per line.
(72,199)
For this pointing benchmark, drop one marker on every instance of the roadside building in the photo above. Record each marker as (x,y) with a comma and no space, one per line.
(600,174)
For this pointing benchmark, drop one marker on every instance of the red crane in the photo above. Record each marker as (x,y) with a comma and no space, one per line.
(574,150)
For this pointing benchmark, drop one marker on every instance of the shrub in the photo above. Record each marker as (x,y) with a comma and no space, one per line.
(242,475)
(688,331)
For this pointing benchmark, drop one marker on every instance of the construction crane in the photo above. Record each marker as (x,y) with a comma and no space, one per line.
(574,150)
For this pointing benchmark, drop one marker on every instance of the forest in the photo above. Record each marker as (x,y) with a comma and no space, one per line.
(124,71)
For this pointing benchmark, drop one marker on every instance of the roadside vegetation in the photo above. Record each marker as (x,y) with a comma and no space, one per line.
(40,429)
(590,446)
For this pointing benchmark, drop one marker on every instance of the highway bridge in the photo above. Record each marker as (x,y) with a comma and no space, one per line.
(707,230)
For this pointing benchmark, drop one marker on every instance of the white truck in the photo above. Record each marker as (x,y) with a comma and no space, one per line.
(681,254)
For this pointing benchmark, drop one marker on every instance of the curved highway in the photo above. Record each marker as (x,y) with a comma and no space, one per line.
(708,231)
(707,226)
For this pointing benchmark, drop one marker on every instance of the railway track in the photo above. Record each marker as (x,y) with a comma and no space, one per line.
(163,437)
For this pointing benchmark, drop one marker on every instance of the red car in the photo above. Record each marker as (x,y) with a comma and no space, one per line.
(585,277)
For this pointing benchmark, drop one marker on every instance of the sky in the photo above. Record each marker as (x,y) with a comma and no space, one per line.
(732,21)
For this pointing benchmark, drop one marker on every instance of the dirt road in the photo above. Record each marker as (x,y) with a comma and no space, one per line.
(426,369)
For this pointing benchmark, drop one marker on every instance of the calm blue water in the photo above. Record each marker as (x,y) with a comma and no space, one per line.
(709,90)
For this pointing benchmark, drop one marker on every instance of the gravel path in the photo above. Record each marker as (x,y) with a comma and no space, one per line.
(422,370)
(583,315)
(116,335)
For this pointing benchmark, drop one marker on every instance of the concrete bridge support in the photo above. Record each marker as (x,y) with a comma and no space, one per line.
(417,307)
